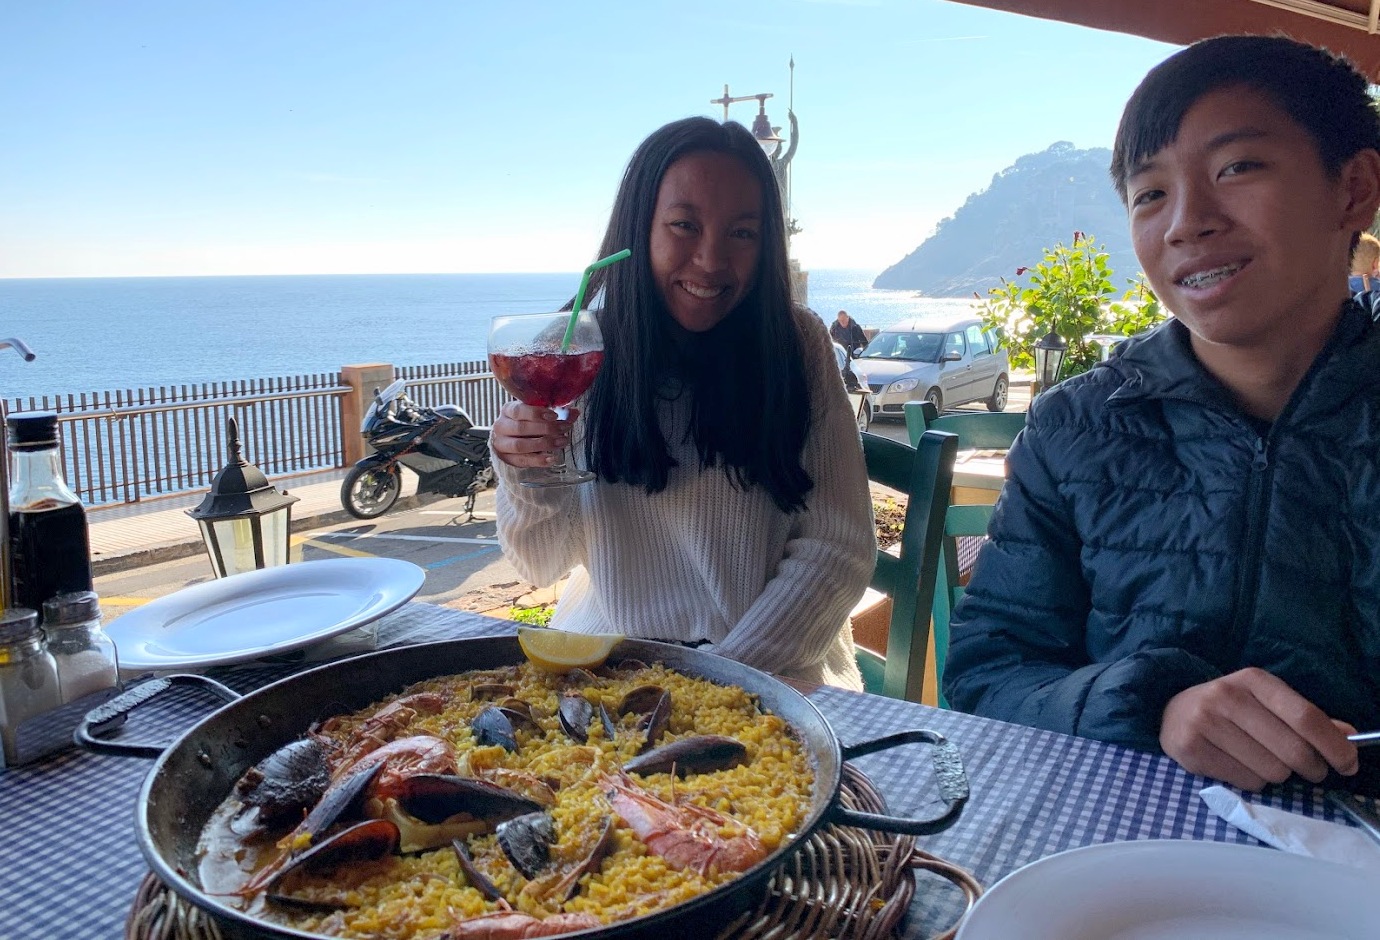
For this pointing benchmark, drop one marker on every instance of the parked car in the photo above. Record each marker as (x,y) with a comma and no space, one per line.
(945,360)
(855,381)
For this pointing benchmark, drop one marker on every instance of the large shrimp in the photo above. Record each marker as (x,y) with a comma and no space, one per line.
(403,758)
(685,835)
(511,925)
(386,723)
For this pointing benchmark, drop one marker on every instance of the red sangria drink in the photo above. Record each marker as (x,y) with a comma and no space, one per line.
(546,379)
(544,360)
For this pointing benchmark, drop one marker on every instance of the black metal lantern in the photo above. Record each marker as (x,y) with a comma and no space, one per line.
(767,136)
(1049,358)
(244,520)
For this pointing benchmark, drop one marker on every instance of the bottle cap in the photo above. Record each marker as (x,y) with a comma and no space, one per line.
(70,608)
(17,623)
(32,428)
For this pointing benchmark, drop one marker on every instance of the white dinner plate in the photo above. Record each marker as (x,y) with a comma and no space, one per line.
(261,613)
(1175,890)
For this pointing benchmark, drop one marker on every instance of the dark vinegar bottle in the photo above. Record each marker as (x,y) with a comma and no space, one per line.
(50,549)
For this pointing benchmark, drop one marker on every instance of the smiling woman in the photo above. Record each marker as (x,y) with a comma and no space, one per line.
(704,250)
(731,509)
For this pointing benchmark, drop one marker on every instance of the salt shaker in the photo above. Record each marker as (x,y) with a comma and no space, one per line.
(28,680)
(85,654)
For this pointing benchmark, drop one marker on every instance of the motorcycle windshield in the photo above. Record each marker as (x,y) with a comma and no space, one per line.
(381,402)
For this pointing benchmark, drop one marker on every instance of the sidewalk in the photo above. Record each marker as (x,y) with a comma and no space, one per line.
(134,535)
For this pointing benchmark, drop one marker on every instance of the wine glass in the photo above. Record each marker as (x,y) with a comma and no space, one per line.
(526,357)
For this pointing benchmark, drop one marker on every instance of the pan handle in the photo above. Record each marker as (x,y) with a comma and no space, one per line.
(948,772)
(109,716)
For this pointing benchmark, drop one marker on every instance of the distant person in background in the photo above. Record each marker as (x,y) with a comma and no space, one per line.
(847,333)
(1186,555)
(1365,264)
(731,510)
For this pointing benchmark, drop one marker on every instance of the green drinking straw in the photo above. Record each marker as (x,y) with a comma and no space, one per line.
(584,286)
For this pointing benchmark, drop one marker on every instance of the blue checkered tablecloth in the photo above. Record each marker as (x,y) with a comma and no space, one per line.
(70,863)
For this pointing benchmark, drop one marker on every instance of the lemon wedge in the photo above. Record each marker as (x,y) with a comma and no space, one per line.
(560,651)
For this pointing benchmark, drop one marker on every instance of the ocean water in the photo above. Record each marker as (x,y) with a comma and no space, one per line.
(98,334)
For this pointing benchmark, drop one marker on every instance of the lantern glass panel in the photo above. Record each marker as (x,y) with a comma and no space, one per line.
(208,536)
(236,540)
(1054,359)
(275,536)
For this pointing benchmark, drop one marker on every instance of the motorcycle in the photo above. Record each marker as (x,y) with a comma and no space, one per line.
(441,445)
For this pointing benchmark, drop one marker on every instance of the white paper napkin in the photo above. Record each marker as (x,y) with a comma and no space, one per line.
(1293,833)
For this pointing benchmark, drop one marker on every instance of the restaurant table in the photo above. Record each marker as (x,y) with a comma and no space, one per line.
(70,863)
(978,478)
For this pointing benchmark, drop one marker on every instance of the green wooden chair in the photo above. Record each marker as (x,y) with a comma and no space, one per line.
(975,430)
(924,473)
(959,522)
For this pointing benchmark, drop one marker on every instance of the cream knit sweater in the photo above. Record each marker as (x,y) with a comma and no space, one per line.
(702,560)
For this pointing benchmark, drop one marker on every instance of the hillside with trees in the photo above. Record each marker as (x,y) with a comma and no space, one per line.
(1032,205)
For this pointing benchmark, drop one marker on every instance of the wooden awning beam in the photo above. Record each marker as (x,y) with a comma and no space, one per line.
(1351,27)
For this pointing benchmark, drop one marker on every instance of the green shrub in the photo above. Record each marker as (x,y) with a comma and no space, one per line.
(1071,293)
(536,616)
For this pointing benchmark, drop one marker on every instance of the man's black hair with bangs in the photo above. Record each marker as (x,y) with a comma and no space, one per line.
(1321,91)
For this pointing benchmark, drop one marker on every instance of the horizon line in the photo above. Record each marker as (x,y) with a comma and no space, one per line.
(110,277)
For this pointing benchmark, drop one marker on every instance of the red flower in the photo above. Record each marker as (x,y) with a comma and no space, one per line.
(1021,270)
(1078,237)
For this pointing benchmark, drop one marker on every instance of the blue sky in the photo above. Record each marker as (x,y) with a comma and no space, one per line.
(301,136)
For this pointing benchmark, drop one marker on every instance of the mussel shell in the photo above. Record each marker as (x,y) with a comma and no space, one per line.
(434,798)
(579,678)
(528,712)
(527,841)
(343,801)
(655,722)
(610,726)
(494,725)
(641,700)
(362,842)
(287,782)
(475,877)
(693,755)
(575,714)
(602,847)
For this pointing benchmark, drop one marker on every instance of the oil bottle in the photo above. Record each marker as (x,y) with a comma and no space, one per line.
(50,548)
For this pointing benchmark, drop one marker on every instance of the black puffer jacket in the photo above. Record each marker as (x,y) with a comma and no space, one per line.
(1149,538)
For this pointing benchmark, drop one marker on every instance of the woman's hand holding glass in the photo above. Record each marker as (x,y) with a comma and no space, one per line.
(529,435)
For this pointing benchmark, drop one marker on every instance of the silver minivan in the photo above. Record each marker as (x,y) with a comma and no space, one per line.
(948,361)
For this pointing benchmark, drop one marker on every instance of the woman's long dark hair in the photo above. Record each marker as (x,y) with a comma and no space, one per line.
(746,377)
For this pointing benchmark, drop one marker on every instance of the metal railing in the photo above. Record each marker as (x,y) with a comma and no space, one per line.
(134,444)
(468,384)
(127,445)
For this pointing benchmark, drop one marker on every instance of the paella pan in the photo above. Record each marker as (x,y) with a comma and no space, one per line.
(194,778)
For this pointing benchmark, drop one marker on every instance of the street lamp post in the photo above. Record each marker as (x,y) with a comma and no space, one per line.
(770,140)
